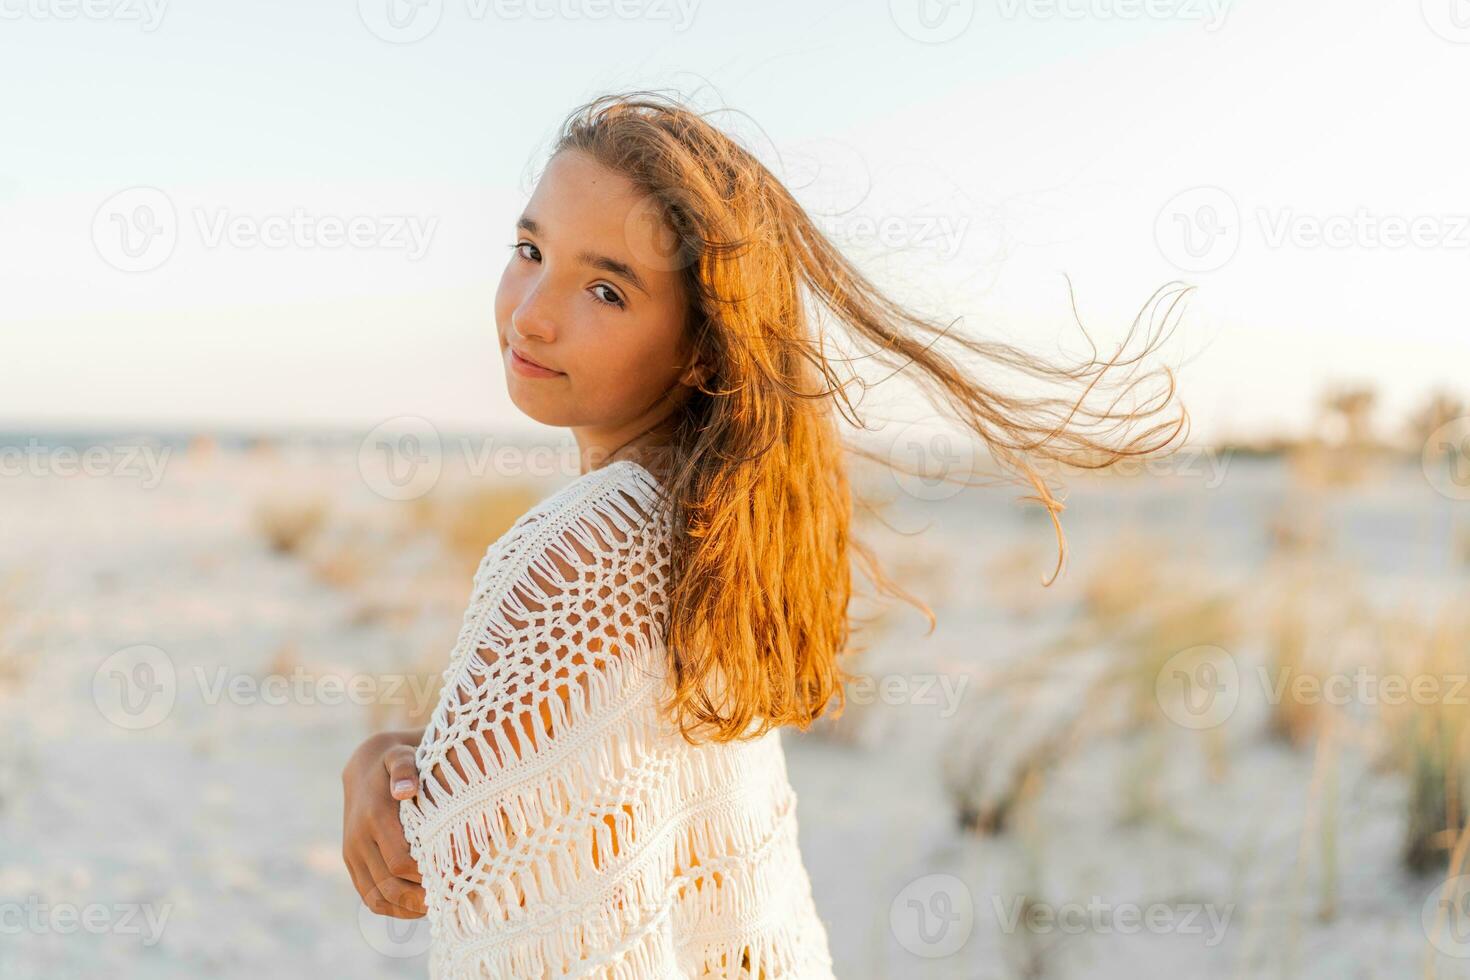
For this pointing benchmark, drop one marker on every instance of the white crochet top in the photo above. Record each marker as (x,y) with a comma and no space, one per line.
(562,828)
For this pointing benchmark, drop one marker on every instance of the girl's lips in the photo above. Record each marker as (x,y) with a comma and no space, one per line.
(530,368)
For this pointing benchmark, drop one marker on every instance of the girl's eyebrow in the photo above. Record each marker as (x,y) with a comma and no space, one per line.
(603,262)
(622,269)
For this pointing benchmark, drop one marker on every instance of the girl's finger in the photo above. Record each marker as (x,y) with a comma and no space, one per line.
(354,871)
(403,772)
(391,895)
(393,849)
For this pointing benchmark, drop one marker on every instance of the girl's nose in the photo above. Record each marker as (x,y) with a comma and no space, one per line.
(534,316)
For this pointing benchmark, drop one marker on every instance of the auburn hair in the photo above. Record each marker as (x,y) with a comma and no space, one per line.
(754,465)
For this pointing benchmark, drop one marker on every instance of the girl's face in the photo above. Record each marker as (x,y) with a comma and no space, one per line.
(586,296)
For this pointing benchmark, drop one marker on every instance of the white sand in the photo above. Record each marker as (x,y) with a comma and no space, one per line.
(222,820)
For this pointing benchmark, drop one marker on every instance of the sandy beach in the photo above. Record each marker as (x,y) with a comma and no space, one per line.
(188,661)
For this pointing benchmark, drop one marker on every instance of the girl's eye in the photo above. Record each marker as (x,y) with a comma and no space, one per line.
(602,292)
(610,296)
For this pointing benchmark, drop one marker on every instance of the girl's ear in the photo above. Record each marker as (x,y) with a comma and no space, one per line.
(695,374)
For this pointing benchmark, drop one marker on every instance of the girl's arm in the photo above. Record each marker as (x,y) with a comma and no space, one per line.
(526,734)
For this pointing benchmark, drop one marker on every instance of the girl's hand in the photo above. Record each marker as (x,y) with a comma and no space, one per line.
(380,773)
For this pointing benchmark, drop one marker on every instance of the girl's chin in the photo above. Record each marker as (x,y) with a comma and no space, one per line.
(547,411)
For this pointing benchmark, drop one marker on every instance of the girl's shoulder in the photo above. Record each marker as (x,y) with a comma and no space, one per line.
(607,508)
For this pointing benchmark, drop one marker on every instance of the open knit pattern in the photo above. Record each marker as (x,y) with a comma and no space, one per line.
(563,829)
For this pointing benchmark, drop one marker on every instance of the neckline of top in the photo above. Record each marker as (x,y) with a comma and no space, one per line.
(635,466)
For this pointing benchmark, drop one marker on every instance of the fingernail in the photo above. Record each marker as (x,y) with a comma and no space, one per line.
(403,786)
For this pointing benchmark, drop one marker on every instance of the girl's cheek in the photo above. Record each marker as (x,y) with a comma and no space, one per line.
(506,297)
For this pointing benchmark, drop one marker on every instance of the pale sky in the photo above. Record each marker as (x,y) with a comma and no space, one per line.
(1040,139)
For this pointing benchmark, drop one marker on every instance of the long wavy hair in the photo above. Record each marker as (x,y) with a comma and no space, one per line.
(754,464)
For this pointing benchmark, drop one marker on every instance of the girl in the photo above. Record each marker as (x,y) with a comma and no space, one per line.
(601,791)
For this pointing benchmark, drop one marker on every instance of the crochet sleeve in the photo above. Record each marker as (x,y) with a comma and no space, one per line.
(525,798)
